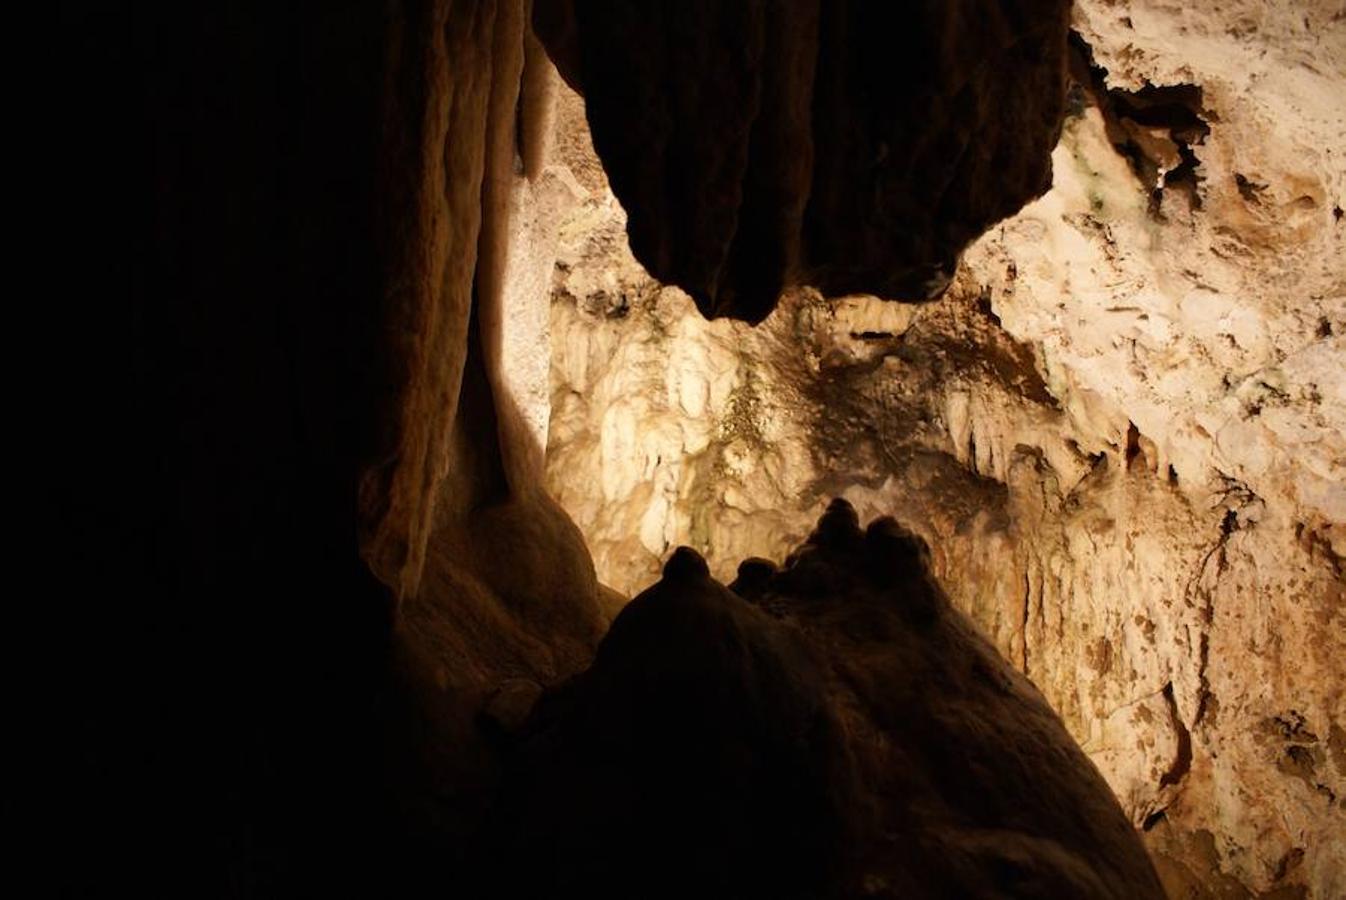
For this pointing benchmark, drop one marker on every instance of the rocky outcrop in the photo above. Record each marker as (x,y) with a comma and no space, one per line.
(845,733)
(849,146)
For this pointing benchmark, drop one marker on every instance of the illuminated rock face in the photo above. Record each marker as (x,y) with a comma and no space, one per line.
(1121,432)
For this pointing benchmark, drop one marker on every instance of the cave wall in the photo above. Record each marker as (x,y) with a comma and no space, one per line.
(1121,430)
(849,146)
(294,204)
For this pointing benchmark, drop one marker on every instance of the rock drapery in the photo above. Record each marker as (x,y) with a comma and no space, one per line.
(492,580)
(849,146)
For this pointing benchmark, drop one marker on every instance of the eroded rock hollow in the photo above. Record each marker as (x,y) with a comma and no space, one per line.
(832,727)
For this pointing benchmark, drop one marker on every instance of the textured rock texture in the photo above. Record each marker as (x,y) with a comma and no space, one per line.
(847,145)
(844,733)
(493,582)
(469,219)
(1121,432)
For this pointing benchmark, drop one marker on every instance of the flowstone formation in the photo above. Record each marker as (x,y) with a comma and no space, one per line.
(829,728)
(1120,432)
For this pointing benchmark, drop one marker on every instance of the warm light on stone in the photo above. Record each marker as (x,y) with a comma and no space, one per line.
(1123,432)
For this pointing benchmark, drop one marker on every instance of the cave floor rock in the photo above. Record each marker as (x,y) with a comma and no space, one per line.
(843,733)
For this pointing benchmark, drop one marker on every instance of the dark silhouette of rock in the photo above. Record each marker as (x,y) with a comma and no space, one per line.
(838,528)
(685,565)
(754,574)
(854,146)
(861,739)
(696,758)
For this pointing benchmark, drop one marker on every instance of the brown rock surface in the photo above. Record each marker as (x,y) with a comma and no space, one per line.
(493,581)
(850,146)
(336,334)
(847,734)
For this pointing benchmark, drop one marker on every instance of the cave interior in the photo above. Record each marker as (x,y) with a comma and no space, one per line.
(702,448)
